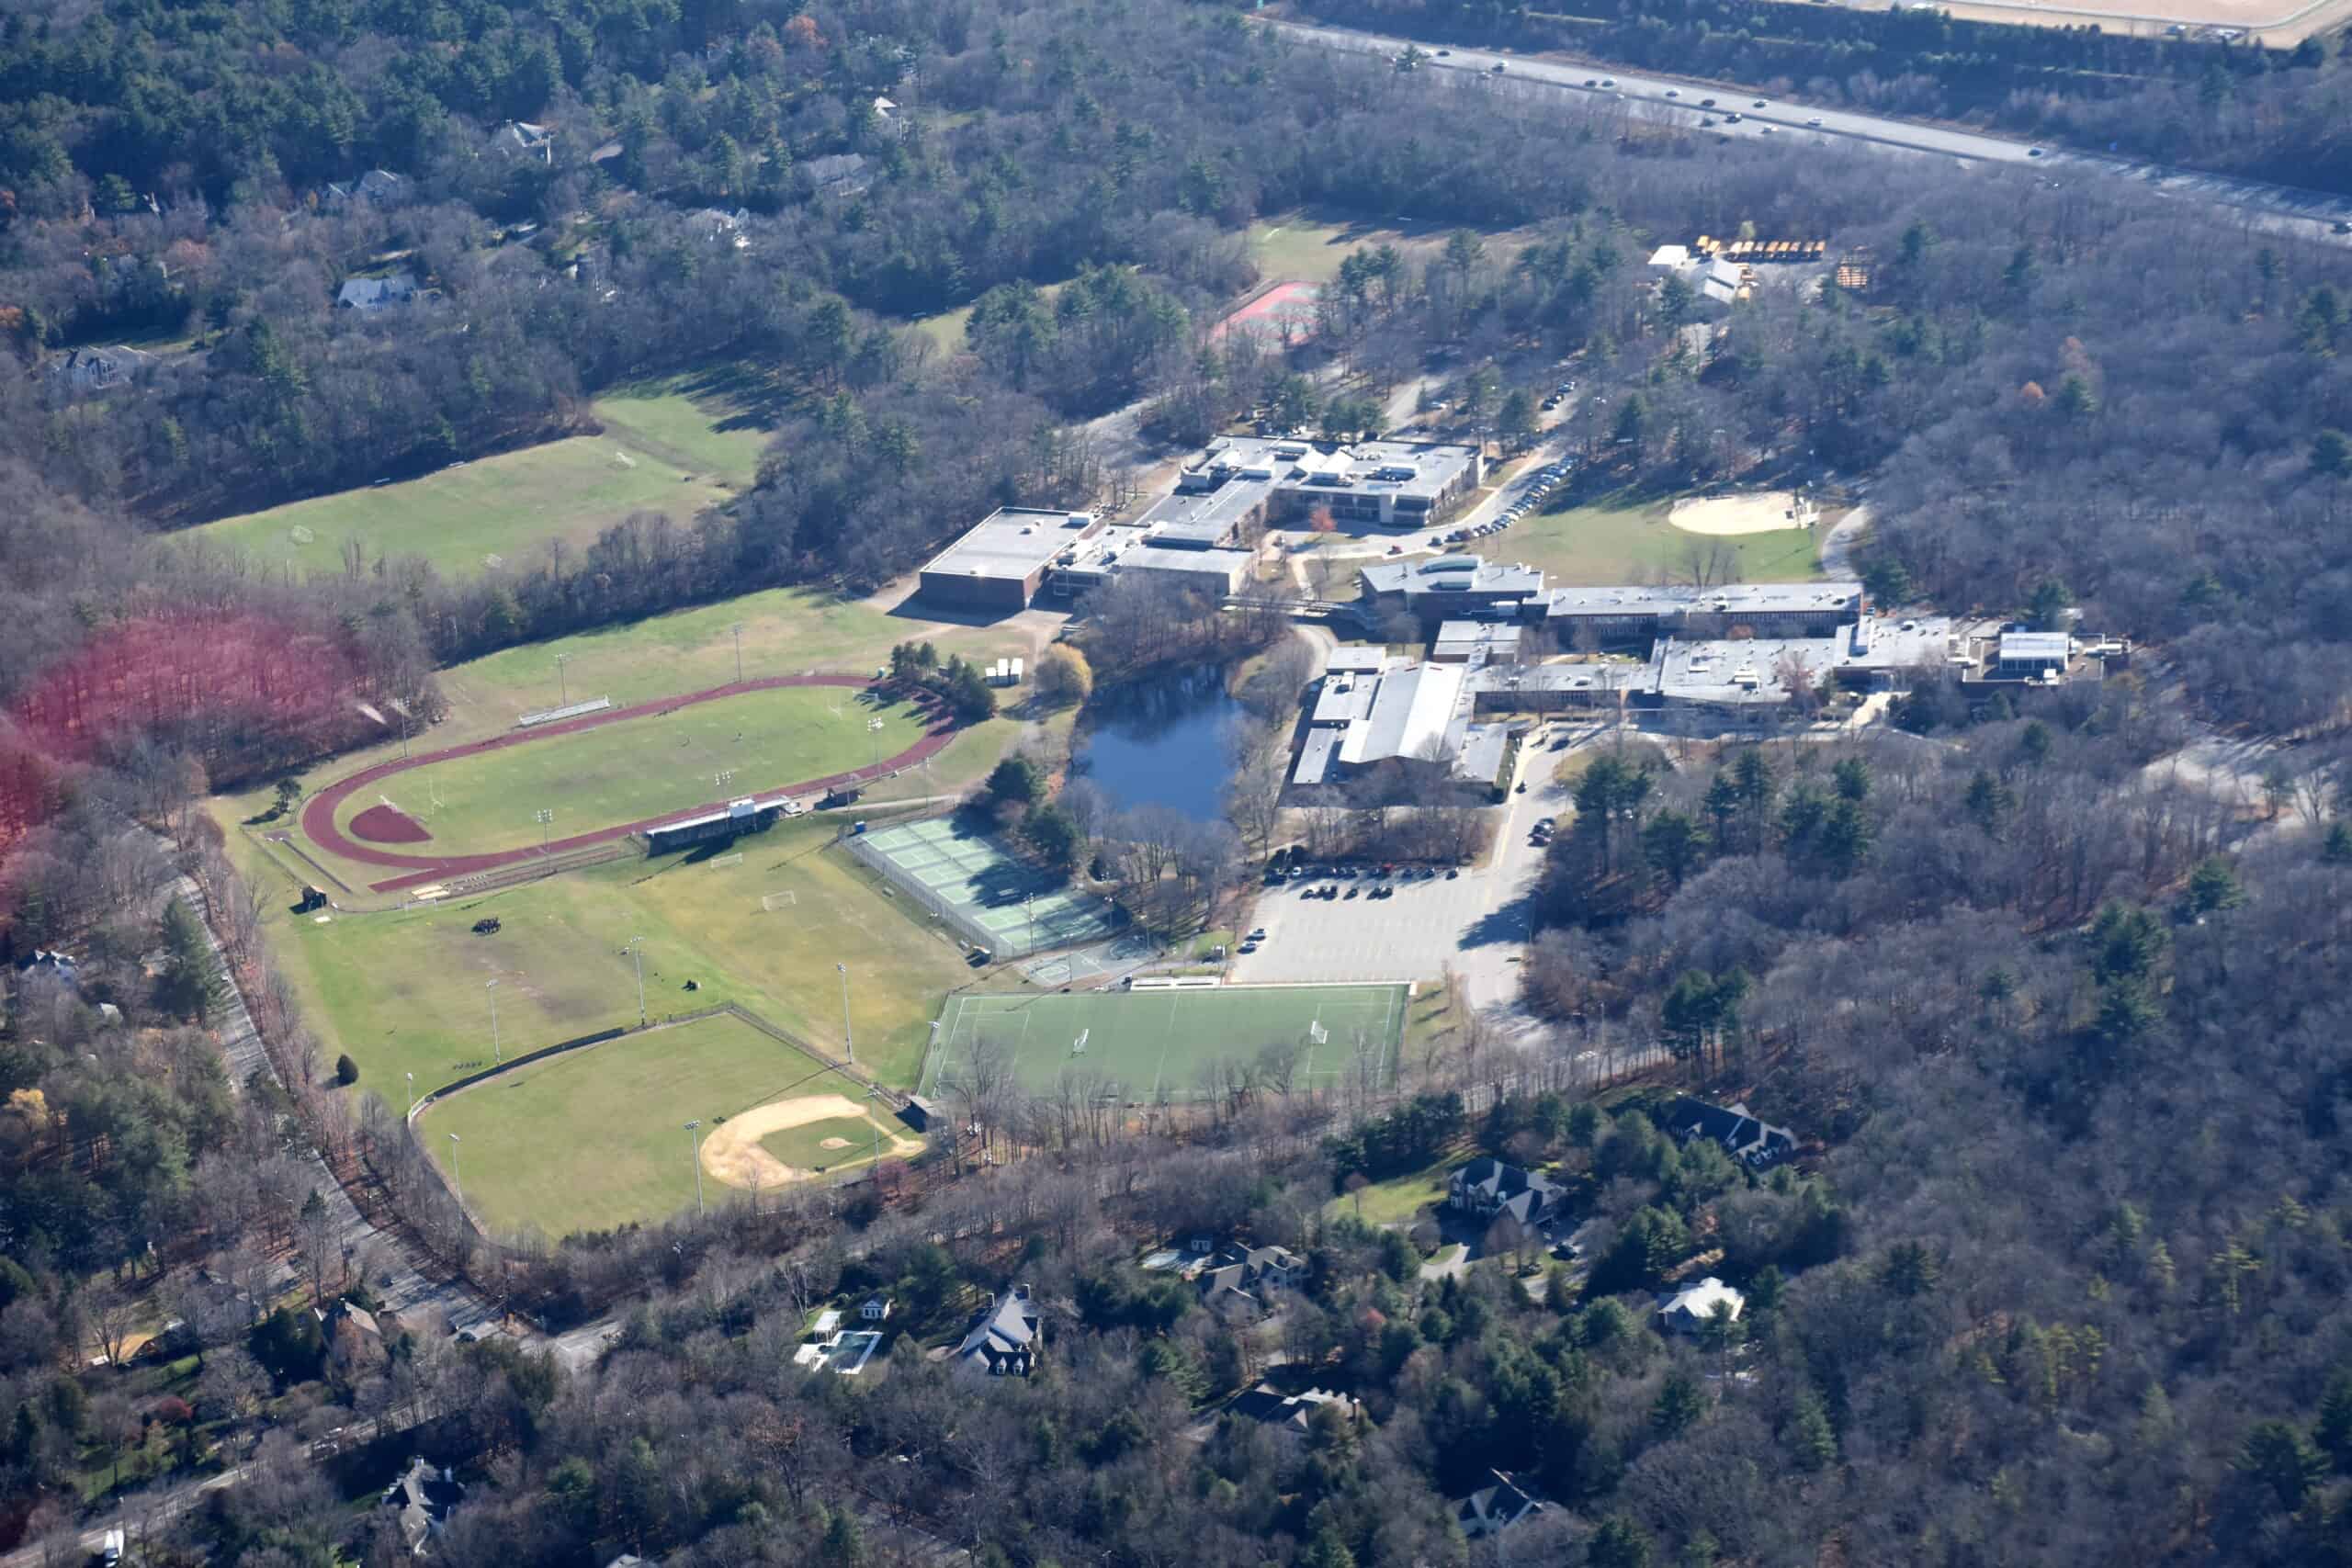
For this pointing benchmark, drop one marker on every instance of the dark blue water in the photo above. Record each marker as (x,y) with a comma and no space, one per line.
(1167,745)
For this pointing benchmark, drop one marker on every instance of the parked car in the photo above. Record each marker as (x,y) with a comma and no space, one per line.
(1258,935)
(1353,892)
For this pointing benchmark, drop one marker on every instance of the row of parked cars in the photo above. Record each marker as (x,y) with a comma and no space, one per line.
(1546,481)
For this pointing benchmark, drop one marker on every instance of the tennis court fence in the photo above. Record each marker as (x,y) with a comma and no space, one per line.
(973,934)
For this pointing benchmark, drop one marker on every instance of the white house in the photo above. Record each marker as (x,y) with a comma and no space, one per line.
(1691,1309)
(876,1310)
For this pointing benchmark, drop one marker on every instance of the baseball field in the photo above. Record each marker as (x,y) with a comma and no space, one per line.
(597,1137)
(1145,1044)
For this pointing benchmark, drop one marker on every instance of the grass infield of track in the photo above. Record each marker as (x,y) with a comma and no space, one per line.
(641,767)
(1146,1043)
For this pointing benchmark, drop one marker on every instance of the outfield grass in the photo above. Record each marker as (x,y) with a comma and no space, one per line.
(643,767)
(1144,1045)
(1302,247)
(595,1138)
(1622,538)
(405,991)
(803,1148)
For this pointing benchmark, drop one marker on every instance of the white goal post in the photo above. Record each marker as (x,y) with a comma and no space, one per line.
(770,903)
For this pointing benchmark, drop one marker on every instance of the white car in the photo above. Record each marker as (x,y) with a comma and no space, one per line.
(1814,122)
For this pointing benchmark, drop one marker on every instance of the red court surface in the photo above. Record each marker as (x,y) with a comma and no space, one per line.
(389,825)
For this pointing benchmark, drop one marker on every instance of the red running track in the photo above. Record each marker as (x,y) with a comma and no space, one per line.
(318,816)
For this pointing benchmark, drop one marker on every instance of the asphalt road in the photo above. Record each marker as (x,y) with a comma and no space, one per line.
(1793,123)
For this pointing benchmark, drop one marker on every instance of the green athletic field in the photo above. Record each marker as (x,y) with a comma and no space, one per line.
(597,1137)
(407,990)
(641,767)
(1150,1044)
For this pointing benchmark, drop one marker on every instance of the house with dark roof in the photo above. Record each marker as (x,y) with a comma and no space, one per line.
(375,293)
(1487,1188)
(424,1497)
(1292,1415)
(1003,1338)
(1733,1130)
(1243,1279)
(99,369)
(520,137)
(379,186)
(1496,1507)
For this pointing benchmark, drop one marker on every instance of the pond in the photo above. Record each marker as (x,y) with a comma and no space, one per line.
(1168,744)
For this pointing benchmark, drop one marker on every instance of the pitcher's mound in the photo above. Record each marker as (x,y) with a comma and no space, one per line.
(1763,511)
(833,1143)
(388,825)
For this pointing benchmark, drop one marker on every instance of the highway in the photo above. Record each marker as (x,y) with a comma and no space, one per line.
(1790,122)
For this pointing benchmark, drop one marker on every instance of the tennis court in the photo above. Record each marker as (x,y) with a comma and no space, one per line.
(978,886)
(1145,1044)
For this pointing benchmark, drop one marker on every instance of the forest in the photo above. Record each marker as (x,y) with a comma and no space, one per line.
(2058,1274)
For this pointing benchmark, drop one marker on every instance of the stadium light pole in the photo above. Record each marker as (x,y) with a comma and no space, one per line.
(738,629)
(693,1156)
(495,1060)
(545,818)
(874,734)
(562,687)
(874,1170)
(847,1038)
(456,1180)
(637,951)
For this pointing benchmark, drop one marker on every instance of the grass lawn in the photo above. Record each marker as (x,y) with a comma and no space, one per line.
(1149,1043)
(673,445)
(641,767)
(507,505)
(1398,1201)
(595,1138)
(946,328)
(1634,751)
(1621,538)
(406,991)
(804,1148)
(1299,246)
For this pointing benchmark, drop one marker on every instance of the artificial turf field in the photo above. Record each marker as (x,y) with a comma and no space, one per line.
(597,1137)
(406,990)
(1154,1043)
(638,767)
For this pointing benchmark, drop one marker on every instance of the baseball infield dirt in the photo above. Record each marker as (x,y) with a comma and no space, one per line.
(734,1155)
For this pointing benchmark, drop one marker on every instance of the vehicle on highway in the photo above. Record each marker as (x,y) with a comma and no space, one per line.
(1451,871)
(1496,68)
(1757,105)
(2033,152)
(1248,947)
(1591,82)
(1609,81)
(1763,131)
(1732,118)
(1674,92)
(1258,935)
(1814,122)
(1444,53)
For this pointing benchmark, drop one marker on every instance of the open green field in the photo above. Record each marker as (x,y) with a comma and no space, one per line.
(406,991)
(638,767)
(804,1148)
(1398,1201)
(1302,247)
(597,1137)
(1622,539)
(1146,1044)
(672,447)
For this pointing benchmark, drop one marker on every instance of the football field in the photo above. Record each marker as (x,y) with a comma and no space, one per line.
(1144,1045)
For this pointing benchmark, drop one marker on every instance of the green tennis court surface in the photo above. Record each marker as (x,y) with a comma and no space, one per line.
(1141,1046)
(1000,902)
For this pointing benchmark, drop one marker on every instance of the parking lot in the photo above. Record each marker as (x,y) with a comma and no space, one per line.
(1478,922)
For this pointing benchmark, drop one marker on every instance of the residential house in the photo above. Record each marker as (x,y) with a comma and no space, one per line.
(521,138)
(1003,1338)
(354,1333)
(1734,1131)
(1243,1279)
(1496,1507)
(424,1497)
(1292,1415)
(876,1310)
(375,293)
(99,369)
(1487,1188)
(717,226)
(837,174)
(379,186)
(1691,1309)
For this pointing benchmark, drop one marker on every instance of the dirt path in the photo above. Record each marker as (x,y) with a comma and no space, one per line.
(319,811)
(733,1152)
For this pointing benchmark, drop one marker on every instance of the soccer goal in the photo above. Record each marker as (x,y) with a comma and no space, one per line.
(623,458)
(493,560)
(301,536)
(719,860)
(770,903)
